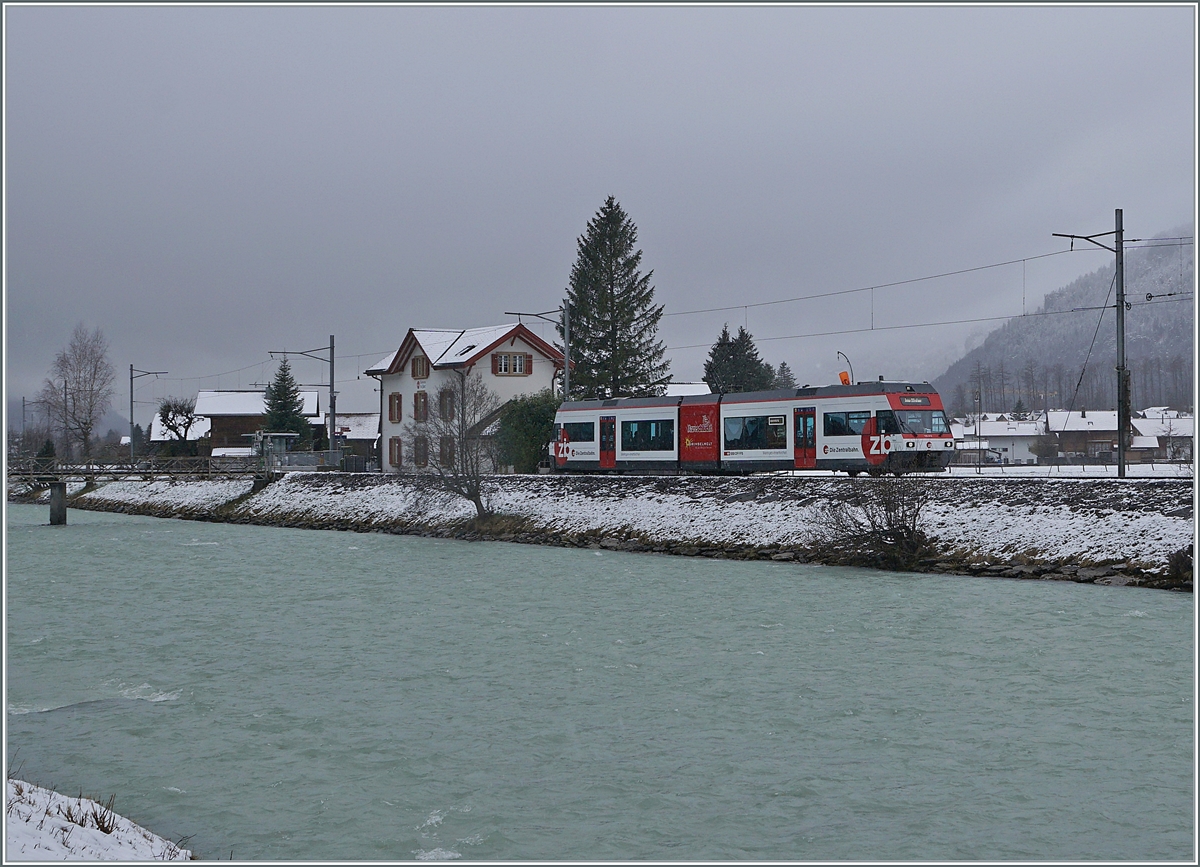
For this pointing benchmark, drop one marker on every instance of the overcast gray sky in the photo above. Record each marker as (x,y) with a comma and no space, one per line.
(206,184)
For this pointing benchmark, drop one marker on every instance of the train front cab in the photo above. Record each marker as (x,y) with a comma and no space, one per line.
(920,435)
(892,428)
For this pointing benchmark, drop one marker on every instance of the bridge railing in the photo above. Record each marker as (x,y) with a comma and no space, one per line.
(46,468)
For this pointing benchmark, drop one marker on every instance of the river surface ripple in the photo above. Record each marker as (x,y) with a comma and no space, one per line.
(287,694)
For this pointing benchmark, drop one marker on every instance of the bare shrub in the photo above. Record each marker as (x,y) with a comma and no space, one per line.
(103,815)
(877,522)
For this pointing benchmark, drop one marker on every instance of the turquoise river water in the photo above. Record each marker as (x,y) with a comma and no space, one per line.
(295,694)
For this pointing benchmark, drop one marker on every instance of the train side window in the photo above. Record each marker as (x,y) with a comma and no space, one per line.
(756,432)
(648,435)
(835,424)
(885,422)
(581,431)
(856,421)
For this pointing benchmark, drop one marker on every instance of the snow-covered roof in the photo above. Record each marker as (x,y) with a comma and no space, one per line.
(233,452)
(159,433)
(361,425)
(1178,426)
(997,429)
(448,347)
(210,403)
(1144,442)
(1095,420)
(677,389)
(382,364)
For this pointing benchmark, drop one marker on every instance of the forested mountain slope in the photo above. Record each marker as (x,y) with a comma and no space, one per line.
(1039,360)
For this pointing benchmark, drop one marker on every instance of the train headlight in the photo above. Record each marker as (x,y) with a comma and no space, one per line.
(910,445)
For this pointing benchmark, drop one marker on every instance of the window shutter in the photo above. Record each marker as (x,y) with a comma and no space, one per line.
(528,364)
(495,364)
(394,451)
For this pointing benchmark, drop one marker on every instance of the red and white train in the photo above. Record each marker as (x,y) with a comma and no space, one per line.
(872,427)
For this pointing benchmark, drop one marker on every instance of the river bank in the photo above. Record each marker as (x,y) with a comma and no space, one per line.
(1133,532)
(43,825)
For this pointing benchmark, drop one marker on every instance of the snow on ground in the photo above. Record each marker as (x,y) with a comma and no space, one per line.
(1086,471)
(195,495)
(1069,519)
(41,825)
(1068,514)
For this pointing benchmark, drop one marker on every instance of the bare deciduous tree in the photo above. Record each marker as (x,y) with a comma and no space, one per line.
(177,415)
(450,440)
(83,391)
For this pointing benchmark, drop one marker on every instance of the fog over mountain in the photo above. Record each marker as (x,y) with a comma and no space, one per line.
(1039,358)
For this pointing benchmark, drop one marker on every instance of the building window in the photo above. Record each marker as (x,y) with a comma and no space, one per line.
(512,363)
(395,407)
(420,367)
(420,406)
(420,451)
(446,451)
(394,451)
(446,404)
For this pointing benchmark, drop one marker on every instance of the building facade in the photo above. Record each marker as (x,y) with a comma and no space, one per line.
(416,379)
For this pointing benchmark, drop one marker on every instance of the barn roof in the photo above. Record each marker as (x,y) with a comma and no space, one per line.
(362,425)
(225,403)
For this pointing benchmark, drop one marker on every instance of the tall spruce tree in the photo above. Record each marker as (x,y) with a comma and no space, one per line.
(614,322)
(734,364)
(285,407)
(784,378)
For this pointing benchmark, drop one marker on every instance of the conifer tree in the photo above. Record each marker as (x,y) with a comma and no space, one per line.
(784,378)
(734,365)
(285,407)
(614,321)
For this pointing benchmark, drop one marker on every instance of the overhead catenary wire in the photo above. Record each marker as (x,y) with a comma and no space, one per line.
(935,324)
(1182,241)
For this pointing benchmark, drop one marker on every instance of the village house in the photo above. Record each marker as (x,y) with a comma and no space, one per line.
(1163,434)
(358,434)
(422,376)
(233,415)
(1001,439)
(1085,433)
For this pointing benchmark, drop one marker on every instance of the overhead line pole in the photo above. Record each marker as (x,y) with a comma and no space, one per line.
(565,310)
(137,374)
(308,353)
(1123,391)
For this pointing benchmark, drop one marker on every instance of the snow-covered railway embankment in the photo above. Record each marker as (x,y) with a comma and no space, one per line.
(1086,530)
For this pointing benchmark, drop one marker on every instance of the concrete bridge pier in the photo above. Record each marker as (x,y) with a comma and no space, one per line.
(58,503)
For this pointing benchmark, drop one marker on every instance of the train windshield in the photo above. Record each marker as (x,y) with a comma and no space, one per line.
(922,421)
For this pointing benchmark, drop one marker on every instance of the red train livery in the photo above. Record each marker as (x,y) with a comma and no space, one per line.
(873,427)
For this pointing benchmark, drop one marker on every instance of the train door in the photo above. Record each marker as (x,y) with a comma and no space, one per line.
(806,438)
(608,442)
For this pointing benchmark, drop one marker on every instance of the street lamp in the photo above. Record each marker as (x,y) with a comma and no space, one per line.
(848,364)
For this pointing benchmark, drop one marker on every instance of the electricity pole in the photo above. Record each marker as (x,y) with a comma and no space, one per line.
(332,414)
(132,377)
(1123,395)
